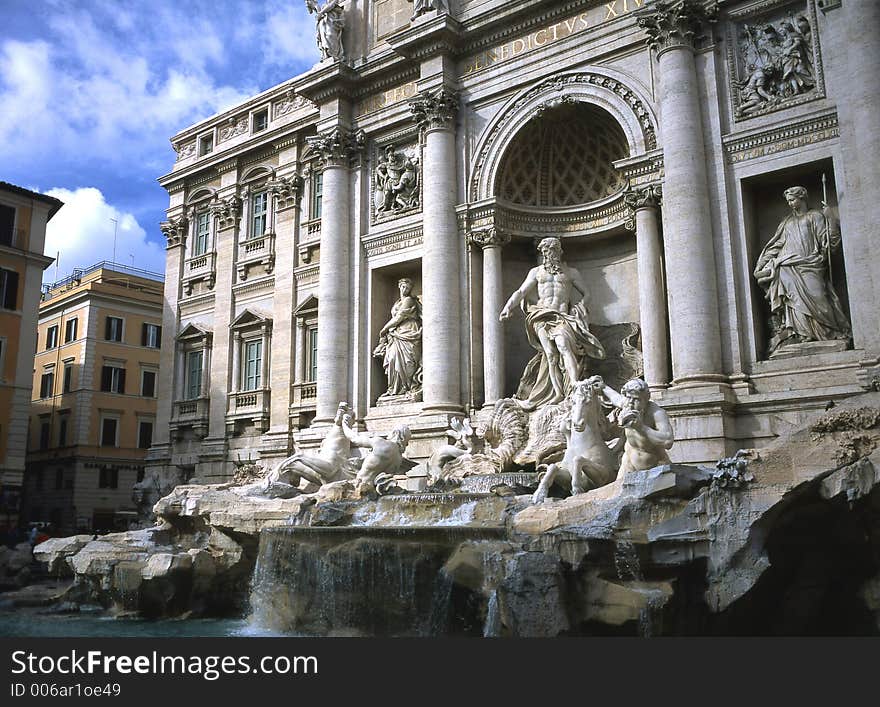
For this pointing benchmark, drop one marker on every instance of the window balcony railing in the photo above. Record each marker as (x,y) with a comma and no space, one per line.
(191,414)
(259,251)
(305,396)
(199,268)
(249,406)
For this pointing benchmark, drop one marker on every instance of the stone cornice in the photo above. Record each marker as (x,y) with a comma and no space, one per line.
(674,24)
(328,81)
(435,110)
(780,138)
(390,242)
(337,147)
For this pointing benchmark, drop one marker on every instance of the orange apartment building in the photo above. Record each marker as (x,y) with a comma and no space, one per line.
(95,378)
(23,218)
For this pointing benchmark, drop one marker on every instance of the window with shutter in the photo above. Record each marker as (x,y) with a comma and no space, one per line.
(70,330)
(253,357)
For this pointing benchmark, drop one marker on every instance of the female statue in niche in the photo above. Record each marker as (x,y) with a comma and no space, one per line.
(400,346)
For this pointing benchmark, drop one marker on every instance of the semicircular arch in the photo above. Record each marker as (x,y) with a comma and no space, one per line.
(601,88)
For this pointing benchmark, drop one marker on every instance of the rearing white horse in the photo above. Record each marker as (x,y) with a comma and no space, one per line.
(588,462)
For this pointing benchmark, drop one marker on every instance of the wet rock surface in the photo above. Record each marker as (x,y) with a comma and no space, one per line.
(784,541)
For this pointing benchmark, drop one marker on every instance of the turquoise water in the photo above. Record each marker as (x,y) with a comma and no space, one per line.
(29,624)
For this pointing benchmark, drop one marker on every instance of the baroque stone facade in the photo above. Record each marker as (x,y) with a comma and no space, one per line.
(440,142)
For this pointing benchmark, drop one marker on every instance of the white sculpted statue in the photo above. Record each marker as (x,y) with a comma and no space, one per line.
(333,462)
(793,269)
(554,298)
(400,346)
(646,426)
(420,7)
(589,460)
(385,455)
(397,179)
(328,29)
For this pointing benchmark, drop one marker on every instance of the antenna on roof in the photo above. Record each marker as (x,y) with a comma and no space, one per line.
(115,226)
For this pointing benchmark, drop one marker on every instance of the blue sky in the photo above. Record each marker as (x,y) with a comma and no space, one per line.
(92,90)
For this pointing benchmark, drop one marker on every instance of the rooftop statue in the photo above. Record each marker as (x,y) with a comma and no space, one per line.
(793,269)
(420,7)
(328,29)
(554,300)
(646,426)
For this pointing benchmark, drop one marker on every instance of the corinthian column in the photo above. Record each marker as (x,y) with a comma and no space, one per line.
(645,203)
(335,149)
(492,240)
(435,112)
(672,29)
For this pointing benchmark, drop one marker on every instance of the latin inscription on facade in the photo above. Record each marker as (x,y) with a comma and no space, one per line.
(552,33)
(387,98)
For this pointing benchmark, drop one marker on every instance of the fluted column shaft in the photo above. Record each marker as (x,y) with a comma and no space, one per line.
(441,312)
(334,276)
(687,222)
(492,242)
(652,294)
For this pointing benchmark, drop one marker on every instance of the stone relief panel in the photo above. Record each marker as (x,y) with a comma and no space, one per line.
(774,58)
(290,102)
(233,127)
(396,181)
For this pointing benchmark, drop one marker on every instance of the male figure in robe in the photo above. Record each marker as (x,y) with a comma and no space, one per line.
(553,297)
(793,270)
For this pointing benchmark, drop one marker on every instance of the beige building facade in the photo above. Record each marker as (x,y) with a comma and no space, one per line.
(654,138)
(94,393)
(23,218)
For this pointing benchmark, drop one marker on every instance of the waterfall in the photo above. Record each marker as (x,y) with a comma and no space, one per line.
(360,580)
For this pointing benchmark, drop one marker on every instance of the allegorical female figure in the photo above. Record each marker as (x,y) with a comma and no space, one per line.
(400,346)
(793,270)
(328,28)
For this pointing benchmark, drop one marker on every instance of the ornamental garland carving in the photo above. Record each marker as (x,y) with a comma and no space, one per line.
(337,147)
(434,110)
(774,60)
(556,84)
(233,128)
(676,23)
(289,103)
(185,150)
(174,231)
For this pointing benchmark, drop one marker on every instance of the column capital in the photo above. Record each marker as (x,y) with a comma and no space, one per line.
(435,109)
(337,147)
(637,198)
(174,231)
(227,211)
(287,191)
(676,24)
(489,237)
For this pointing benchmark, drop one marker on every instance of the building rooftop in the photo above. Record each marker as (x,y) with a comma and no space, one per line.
(54,203)
(100,270)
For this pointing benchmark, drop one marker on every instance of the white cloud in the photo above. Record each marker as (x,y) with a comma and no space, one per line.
(82,231)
